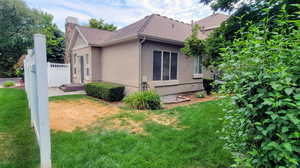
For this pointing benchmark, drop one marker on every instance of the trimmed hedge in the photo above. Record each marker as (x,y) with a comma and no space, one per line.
(105,90)
(143,100)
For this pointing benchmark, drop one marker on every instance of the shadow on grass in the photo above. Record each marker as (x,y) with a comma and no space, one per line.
(20,148)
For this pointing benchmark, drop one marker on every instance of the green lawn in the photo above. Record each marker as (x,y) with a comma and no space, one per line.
(195,146)
(18,147)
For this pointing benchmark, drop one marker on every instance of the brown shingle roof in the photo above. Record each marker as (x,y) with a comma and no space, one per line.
(212,21)
(154,25)
(94,36)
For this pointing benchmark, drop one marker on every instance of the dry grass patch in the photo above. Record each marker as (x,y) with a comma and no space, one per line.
(68,115)
(133,121)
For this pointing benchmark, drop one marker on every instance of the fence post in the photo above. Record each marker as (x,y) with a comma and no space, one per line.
(42,99)
(28,82)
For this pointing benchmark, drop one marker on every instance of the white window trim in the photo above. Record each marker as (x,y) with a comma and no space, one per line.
(166,82)
(197,75)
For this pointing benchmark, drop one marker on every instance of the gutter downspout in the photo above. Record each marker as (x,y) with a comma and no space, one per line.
(140,61)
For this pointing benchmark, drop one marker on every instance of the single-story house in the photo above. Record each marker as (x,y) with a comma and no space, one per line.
(142,55)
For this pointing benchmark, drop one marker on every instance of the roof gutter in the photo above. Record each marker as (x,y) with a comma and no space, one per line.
(163,40)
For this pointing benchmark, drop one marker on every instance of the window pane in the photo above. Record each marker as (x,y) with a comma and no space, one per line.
(166,66)
(87,59)
(157,65)
(174,57)
(200,64)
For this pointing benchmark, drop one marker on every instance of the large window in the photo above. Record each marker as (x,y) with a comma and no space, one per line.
(198,65)
(165,65)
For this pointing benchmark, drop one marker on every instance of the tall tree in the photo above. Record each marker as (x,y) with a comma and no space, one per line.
(241,19)
(18,24)
(100,24)
(16,29)
(55,37)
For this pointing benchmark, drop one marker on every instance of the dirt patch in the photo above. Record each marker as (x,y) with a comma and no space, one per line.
(193,100)
(68,115)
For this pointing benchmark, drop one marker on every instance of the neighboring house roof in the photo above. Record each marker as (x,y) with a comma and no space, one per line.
(154,27)
(212,21)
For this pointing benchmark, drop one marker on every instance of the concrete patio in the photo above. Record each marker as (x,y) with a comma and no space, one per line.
(54,91)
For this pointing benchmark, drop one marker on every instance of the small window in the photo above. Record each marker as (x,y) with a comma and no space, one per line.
(74,58)
(174,62)
(157,65)
(87,72)
(198,65)
(74,70)
(87,59)
(166,66)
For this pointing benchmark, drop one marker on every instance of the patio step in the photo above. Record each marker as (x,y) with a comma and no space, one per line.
(71,87)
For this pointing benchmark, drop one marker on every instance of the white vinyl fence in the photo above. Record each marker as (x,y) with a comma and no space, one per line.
(58,74)
(36,87)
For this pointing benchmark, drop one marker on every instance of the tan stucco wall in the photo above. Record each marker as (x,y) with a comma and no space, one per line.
(79,42)
(86,53)
(185,81)
(120,64)
(96,64)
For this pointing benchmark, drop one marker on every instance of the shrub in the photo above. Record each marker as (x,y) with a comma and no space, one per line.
(200,95)
(262,70)
(8,83)
(104,90)
(207,84)
(143,100)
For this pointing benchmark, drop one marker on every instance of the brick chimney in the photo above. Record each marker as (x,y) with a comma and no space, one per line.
(71,22)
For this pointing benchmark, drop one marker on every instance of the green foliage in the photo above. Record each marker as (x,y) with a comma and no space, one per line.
(200,95)
(18,24)
(54,37)
(8,83)
(99,24)
(104,90)
(16,31)
(262,69)
(143,100)
(223,36)
(193,46)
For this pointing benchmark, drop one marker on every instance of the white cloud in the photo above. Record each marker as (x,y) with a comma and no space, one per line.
(121,12)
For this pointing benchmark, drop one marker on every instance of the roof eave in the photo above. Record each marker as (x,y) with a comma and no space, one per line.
(117,41)
(160,39)
(137,36)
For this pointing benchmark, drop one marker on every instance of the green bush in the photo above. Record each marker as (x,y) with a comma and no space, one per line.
(8,83)
(261,69)
(143,100)
(104,90)
(200,95)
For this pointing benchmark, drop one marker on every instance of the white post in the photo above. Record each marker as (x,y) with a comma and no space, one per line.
(42,99)
(28,82)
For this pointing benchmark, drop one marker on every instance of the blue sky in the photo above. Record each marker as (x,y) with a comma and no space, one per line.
(120,12)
